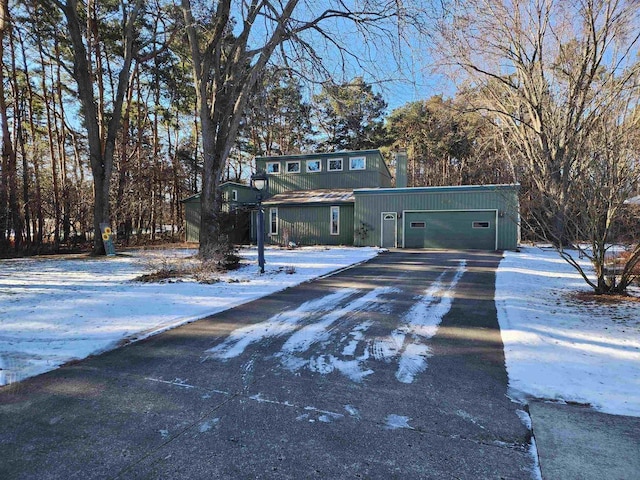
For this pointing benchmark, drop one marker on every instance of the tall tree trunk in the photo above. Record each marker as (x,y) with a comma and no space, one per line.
(35,207)
(49,105)
(100,153)
(223,84)
(8,205)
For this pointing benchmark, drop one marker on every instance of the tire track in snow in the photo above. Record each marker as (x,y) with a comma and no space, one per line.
(320,333)
(278,325)
(420,324)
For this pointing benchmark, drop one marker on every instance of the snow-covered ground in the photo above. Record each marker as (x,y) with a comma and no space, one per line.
(562,349)
(53,310)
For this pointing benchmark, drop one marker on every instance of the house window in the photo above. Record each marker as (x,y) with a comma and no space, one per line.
(313,166)
(273,221)
(273,168)
(481,225)
(335,164)
(293,167)
(358,163)
(234,195)
(417,225)
(335,220)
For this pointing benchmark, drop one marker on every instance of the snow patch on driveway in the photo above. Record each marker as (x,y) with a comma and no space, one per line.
(278,325)
(420,324)
(320,333)
(317,344)
(395,422)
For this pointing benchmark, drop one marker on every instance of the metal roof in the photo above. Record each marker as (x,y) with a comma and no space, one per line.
(308,197)
(446,188)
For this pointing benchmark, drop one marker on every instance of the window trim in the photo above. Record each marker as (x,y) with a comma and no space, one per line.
(329,169)
(293,162)
(273,215)
(319,166)
(273,164)
(332,209)
(364,165)
(234,195)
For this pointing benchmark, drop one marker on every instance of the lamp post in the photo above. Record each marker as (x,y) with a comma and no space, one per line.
(260,181)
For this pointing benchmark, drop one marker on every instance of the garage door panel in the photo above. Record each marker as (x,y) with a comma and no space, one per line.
(456,230)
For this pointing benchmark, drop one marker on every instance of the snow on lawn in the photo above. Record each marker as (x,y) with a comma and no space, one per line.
(53,310)
(563,349)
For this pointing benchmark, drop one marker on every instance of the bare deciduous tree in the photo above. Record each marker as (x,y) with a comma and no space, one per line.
(552,73)
(232,44)
(101,138)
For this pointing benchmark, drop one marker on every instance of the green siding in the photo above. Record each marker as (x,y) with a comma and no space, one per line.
(192,219)
(371,203)
(376,173)
(246,195)
(310,225)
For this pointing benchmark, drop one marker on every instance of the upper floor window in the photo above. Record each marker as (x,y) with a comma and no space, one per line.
(273,167)
(334,164)
(234,195)
(358,163)
(314,166)
(293,167)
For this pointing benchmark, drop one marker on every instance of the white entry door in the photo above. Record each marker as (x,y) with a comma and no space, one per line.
(389,230)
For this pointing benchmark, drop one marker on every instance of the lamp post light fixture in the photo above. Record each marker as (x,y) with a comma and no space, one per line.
(260,182)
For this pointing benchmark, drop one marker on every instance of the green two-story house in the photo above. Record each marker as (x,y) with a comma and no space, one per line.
(351,198)
(311,198)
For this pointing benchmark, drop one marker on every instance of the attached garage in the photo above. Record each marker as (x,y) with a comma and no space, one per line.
(463,230)
(469,217)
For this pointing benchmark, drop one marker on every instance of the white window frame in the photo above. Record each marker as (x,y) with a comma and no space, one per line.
(273,214)
(364,163)
(294,162)
(333,209)
(234,195)
(329,169)
(314,161)
(273,164)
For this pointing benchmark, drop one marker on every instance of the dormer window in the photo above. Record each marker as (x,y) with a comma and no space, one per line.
(358,163)
(234,195)
(273,168)
(293,167)
(314,166)
(334,165)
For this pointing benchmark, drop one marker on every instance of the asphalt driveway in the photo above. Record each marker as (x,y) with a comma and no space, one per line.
(391,369)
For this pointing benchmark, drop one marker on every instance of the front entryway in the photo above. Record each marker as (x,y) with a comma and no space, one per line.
(389,230)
